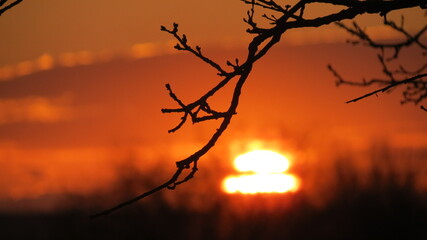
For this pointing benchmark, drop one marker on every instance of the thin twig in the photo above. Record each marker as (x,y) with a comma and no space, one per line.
(264,40)
(388,87)
(8,7)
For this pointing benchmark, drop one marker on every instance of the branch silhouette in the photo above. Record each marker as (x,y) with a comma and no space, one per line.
(415,82)
(6,5)
(265,37)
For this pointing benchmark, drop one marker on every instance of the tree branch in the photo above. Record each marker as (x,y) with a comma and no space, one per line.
(265,38)
(409,80)
(416,85)
(8,7)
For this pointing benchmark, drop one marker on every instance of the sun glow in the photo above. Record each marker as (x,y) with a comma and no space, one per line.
(261,161)
(267,177)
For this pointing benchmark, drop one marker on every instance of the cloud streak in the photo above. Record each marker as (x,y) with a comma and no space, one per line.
(297,37)
(35,109)
(84,58)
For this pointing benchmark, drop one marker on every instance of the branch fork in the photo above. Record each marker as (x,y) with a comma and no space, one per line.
(414,82)
(288,17)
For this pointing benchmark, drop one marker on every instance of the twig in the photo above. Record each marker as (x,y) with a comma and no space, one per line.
(8,7)
(414,92)
(291,17)
(388,87)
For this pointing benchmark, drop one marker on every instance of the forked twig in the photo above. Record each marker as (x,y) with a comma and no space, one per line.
(415,82)
(264,39)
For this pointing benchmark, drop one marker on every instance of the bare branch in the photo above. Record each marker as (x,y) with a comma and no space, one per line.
(272,5)
(410,40)
(183,46)
(265,38)
(8,6)
(409,80)
(416,85)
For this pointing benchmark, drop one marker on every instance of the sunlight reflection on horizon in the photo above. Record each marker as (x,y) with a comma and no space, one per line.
(268,175)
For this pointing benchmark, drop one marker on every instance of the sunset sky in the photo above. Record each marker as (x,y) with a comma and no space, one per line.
(82,85)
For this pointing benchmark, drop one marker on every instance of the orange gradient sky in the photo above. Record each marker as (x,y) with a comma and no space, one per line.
(82,85)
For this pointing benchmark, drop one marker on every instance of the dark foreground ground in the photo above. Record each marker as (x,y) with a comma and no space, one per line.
(382,211)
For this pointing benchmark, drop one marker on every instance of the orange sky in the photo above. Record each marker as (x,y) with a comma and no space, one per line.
(38,27)
(82,92)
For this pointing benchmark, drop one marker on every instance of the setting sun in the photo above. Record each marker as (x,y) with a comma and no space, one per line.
(267,177)
(261,161)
